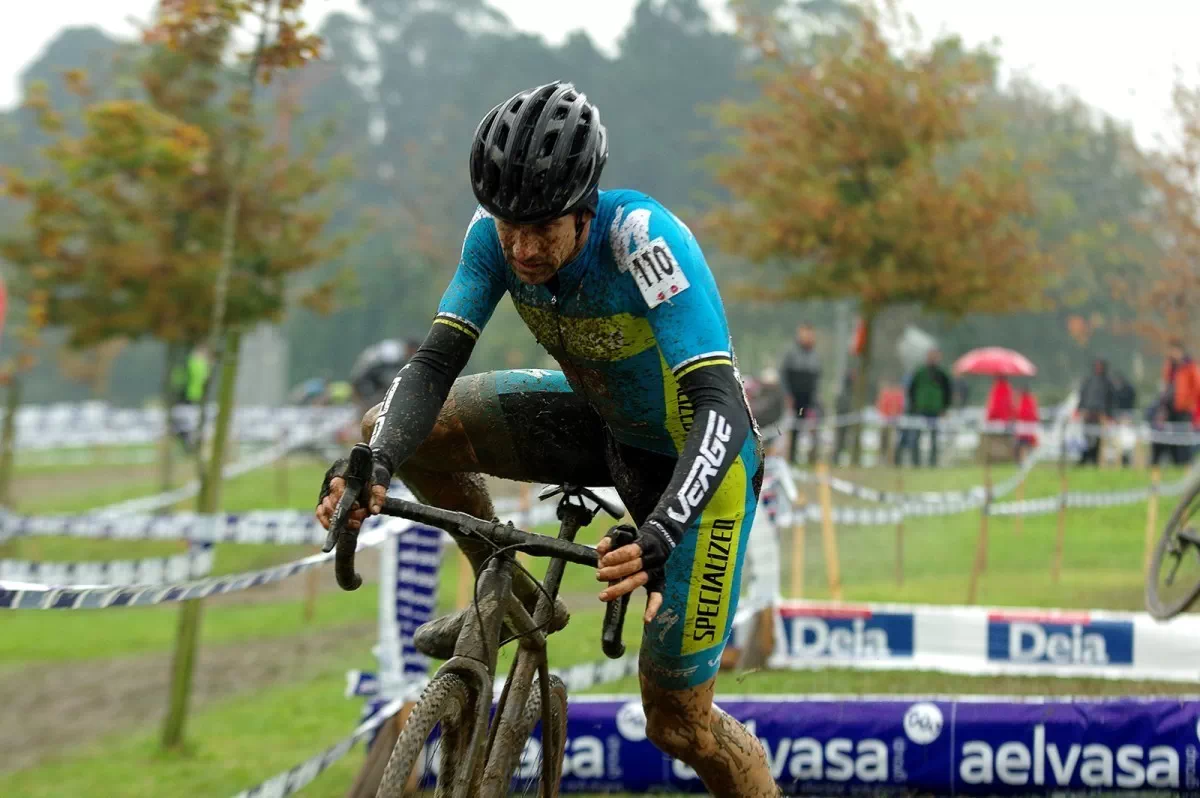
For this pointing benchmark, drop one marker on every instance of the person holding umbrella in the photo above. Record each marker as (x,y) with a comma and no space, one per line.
(1001,364)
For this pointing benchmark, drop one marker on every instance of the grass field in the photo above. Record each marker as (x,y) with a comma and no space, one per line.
(244,735)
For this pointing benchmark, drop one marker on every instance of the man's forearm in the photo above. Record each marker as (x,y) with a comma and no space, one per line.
(719,428)
(410,409)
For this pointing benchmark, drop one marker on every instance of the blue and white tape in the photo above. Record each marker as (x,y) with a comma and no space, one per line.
(196,563)
(294,779)
(22,597)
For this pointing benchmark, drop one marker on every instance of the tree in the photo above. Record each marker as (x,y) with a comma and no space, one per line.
(865,171)
(1165,296)
(174,217)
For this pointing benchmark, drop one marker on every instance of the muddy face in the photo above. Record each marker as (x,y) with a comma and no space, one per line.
(536,251)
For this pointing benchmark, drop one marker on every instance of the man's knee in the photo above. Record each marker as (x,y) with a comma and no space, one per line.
(446,436)
(368,421)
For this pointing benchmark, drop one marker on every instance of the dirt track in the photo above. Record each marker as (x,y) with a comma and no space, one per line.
(65,705)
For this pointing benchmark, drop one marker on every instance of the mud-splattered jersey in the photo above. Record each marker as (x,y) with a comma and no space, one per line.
(636,310)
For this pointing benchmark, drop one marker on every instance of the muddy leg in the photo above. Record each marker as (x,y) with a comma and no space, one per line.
(684,724)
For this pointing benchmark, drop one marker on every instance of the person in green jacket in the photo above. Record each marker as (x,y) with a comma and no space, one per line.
(189,380)
(930,394)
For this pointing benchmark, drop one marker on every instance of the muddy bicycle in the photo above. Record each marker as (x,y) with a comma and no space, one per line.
(1167,594)
(452,741)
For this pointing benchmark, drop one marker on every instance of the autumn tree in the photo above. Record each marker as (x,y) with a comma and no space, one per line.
(864,171)
(176,217)
(1166,293)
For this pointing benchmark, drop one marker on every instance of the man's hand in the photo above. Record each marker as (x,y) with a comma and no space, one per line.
(639,564)
(334,486)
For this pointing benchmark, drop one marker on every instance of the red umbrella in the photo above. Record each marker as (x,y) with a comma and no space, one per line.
(995,361)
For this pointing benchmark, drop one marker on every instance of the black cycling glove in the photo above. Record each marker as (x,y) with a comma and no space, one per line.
(657,545)
(379,476)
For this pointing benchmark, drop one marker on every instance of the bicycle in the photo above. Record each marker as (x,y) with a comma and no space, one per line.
(1179,537)
(480,753)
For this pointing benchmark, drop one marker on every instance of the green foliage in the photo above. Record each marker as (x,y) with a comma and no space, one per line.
(408,84)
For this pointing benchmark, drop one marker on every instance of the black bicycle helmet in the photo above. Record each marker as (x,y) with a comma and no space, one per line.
(538,155)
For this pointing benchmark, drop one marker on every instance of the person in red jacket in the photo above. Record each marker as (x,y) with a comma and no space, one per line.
(1027,415)
(1181,383)
(1000,405)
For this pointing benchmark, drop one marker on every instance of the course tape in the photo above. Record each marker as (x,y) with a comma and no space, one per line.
(102,597)
(294,779)
(93,424)
(197,562)
(280,527)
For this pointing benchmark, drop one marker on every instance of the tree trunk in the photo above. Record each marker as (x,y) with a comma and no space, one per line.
(861,386)
(12,401)
(187,634)
(166,463)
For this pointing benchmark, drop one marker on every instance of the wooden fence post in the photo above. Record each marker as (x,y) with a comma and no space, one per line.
(900,535)
(1061,533)
(1151,518)
(981,546)
(833,570)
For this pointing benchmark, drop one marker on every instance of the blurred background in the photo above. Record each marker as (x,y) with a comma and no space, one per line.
(969,231)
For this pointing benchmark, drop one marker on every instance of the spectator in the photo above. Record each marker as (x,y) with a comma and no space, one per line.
(801,375)
(890,405)
(843,406)
(1027,418)
(190,381)
(765,395)
(1096,404)
(930,394)
(1124,395)
(962,392)
(375,369)
(1000,407)
(1181,384)
(1156,416)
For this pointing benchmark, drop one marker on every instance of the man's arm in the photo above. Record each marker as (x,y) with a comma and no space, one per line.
(665,269)
(411,406)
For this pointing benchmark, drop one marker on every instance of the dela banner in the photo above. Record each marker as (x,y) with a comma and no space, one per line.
(983,641)
(956,746)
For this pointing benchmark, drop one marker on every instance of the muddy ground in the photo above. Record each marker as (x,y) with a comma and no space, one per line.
(64,705)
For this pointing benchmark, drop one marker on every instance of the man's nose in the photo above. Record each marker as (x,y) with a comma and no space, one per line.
(524,247)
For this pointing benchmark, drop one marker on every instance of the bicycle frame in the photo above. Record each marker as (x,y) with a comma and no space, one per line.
(477,649)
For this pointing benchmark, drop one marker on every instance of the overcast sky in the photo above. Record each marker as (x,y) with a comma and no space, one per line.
(1117,55)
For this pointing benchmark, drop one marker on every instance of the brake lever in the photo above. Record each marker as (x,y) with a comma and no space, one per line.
(357,476)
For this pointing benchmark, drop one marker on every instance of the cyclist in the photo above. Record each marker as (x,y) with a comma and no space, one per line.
(649,401)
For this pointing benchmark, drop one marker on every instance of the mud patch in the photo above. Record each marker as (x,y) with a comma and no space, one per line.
(53,708)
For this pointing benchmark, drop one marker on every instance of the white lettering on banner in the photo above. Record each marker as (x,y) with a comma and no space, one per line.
(1015,764)
(808,759)
(713,450)
(583,758)
(857,642)
(1030,642)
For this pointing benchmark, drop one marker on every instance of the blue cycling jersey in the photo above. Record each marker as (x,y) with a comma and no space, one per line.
(636,310)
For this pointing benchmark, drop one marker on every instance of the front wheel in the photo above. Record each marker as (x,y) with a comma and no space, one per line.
(533,767)
(1168,592)
(433,742)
